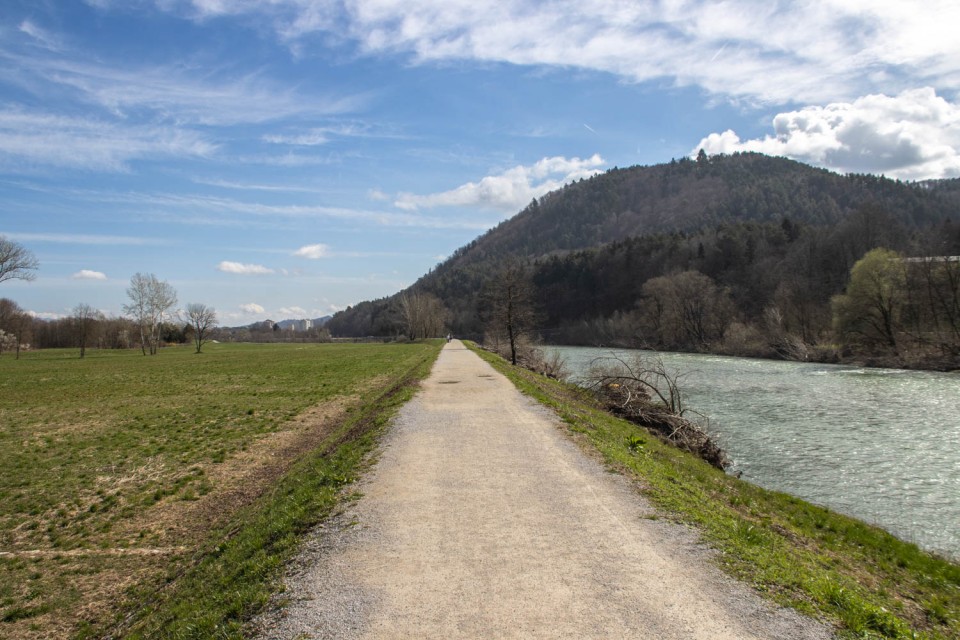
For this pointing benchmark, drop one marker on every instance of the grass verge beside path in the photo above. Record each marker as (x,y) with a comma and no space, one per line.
(181,481)
(858,577)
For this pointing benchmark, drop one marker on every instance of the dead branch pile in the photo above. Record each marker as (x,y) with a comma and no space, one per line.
(646,394)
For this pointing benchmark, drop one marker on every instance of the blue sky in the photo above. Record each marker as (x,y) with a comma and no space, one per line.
(287,158)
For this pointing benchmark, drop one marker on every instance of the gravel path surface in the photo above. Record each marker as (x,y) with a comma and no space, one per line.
(481,519)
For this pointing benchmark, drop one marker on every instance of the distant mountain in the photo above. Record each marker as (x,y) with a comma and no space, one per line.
(742,219)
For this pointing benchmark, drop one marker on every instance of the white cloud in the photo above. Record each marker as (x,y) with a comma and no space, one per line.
(313,251)
(250,186)
(81,238)
(210,210)
(252,308)
(243,269)
(87,274)
(315,136)
(40,35)
(138,112)
(913,135)
(511,190)
(295,312)
(169,93)
(309,139)
(773,52)
(46,315)
(84,143)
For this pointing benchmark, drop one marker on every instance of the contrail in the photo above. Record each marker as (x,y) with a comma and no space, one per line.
(589,128)
(719,51)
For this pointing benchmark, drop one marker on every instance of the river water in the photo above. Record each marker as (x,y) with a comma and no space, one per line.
(881,445)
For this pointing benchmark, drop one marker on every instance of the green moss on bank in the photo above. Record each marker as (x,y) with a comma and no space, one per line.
(858,577)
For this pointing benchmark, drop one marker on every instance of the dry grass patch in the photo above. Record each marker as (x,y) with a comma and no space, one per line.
(238,480)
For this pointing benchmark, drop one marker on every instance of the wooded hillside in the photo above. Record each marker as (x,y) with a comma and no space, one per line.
(761,244)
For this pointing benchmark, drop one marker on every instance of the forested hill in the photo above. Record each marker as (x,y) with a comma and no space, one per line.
(687,196)
(743,220)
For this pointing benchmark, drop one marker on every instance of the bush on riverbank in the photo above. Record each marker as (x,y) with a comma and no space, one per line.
(643,392)
(626,390)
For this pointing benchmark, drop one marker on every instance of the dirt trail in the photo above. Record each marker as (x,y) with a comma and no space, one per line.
(482,519)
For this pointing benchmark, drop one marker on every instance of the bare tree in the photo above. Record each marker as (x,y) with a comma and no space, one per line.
(16,262)
(686,309)
(202,319)
(85,317)
(424,315)
(508,305)
(150,301)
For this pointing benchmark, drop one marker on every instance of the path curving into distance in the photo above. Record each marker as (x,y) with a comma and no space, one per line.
(482,519)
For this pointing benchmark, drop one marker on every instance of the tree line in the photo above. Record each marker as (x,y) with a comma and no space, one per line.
(150,316)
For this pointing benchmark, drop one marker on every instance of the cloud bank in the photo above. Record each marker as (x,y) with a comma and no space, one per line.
(511,190)
(770,52)
(913,135)
(88,143)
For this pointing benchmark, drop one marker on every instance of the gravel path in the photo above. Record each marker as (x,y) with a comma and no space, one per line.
(481,519)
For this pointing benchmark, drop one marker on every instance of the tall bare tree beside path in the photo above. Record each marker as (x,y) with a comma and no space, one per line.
(508,305)
(16,262)
(202,318)
(150,301)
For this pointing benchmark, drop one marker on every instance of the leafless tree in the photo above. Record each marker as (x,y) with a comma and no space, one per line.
(686,307)
(150,301)
(424,315)
(507,303)
(16,262)
(202,319)
(85,318)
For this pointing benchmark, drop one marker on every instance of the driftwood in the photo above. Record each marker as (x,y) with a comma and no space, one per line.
(644,392)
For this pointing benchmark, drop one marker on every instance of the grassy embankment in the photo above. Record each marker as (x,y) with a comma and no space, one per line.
(857,577)
(160,496)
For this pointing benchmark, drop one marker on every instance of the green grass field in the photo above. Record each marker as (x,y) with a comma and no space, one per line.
(857,577)
(121,474)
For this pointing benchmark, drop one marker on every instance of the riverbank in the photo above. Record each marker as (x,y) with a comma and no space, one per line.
(859,578)
(818,354)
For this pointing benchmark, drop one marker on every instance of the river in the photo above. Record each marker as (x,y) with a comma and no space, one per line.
(882,445)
